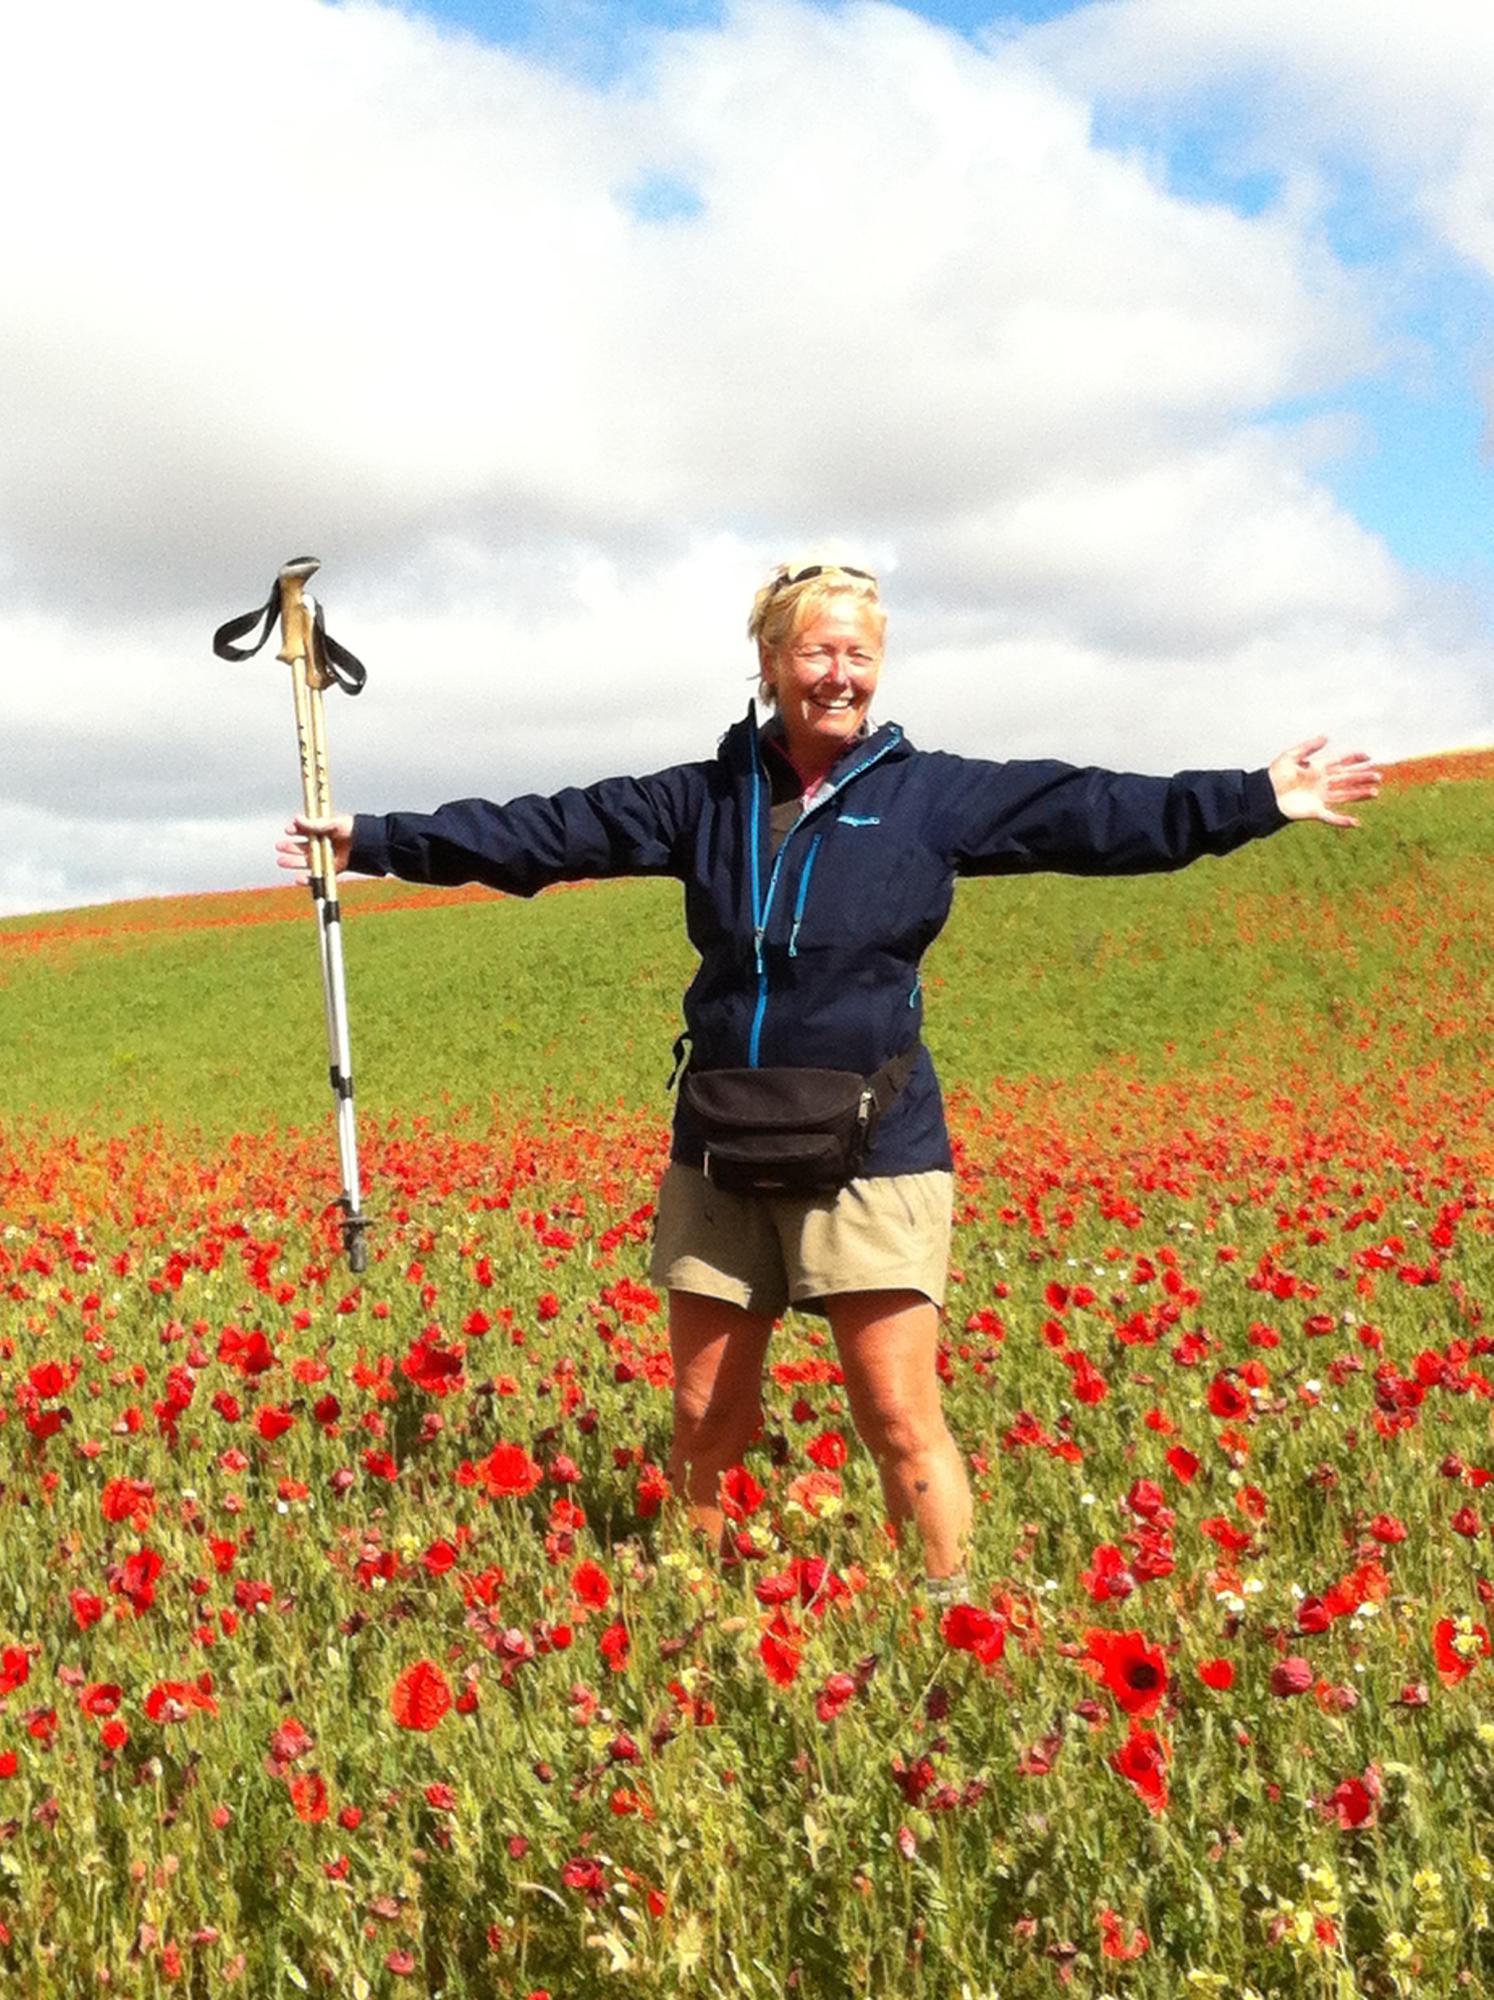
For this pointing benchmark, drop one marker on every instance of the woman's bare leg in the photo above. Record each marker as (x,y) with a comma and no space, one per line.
(888,1342)
(718,1352)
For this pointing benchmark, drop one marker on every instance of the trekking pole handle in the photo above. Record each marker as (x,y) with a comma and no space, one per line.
(297,614)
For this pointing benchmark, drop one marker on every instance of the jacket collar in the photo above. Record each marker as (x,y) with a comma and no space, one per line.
(739,746)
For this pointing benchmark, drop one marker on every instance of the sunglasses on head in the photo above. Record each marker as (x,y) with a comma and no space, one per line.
(787,581)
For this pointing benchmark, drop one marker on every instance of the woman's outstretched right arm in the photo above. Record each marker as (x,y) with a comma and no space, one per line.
(619,826)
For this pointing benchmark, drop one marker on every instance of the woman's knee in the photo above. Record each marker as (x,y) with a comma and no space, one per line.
(710,1431)
(899,1435)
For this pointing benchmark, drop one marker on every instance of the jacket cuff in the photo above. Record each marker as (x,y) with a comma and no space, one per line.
(1262,812)
(369,851)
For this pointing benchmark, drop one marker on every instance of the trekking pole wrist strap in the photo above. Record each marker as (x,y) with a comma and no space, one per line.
(343,667)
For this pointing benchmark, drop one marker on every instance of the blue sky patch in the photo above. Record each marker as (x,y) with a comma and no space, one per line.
(662,198)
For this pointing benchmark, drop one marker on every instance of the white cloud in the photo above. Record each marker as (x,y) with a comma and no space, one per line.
(323,277)
(65,859)
(1410,88)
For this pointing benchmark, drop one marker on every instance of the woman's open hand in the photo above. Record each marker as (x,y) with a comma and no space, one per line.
(291,851)
(1309,785)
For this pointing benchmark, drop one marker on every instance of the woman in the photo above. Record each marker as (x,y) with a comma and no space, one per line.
(818,855)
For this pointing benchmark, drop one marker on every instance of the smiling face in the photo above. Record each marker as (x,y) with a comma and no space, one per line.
(824,679)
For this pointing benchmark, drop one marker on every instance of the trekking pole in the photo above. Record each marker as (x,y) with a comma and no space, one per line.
(316,662)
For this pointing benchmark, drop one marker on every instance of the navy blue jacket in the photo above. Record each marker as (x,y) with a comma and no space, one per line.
(811,956)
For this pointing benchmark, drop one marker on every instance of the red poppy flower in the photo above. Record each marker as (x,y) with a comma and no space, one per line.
(624,1801)
(135,1578)
(173,1701)
(1088,1384)
(740,1493)
(612,1644)
(1230,1538)
(1146,1498)
(420,1696)
(589,1584)
(1217,1674)
(1151,1552)
(651,1492)
(308,1793)
(809,1578)
(828,1450)
(509,1472)
(86,1608)
(585,1875)
(1227,1398)
(776,1588)
(969,1629)
(834,1695)
(122,1498)
(780,1649)
(1350,1802)
(47,1378)
(1457,1646)
(289,1740)
(1182,1462)
(1113,1940)
(1134,1672)
(916,1779)
(1109,1575)
(1141,1760)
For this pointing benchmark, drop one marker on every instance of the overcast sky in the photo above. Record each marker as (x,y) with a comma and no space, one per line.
(1142,346)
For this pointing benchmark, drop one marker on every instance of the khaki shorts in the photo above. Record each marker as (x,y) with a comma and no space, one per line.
(767,1252)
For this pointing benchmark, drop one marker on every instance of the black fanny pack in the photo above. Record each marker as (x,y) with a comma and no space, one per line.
(790,1131)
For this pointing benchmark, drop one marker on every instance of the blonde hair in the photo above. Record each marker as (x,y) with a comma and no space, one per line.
(792,595)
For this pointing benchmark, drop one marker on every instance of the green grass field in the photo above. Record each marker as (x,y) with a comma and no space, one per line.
(209,1015)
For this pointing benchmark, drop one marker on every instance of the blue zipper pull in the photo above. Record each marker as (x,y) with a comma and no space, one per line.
(799,900)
